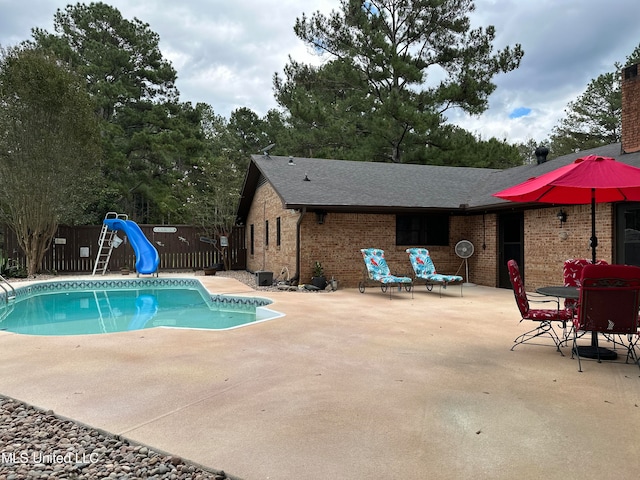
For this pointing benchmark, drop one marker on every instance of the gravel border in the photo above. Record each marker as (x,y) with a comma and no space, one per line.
(249,279)
(40,444)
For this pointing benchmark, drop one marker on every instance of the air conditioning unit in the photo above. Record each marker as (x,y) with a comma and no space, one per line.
(264,278)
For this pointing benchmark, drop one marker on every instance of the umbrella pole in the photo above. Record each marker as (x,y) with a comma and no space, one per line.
(594,239)
(594,244)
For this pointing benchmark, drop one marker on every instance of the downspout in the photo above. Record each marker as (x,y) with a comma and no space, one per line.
(264,242)
(302,213)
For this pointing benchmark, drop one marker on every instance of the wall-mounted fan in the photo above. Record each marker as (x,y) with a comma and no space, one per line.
(464,249)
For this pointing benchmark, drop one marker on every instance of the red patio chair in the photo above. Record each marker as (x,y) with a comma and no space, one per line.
(572,273)
(543,317)
(609,304)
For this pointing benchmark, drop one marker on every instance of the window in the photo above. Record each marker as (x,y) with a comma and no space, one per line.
(278,231)
(251,237)
(425,229)
(266,232)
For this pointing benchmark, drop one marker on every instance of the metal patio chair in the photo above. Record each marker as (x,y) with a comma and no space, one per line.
(572,273)
(609,304)
(425,270)
(544,318)
(377,270)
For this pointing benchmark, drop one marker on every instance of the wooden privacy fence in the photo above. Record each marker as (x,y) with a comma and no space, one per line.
(181,247)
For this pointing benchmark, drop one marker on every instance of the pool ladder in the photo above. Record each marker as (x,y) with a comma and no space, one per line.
(107,306)
(10,293)
(105,244)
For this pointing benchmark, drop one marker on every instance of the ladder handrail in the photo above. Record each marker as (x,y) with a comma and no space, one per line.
(6,296)
(6,312)
(119,216)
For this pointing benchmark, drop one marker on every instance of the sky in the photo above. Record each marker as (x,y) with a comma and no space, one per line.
(226,52)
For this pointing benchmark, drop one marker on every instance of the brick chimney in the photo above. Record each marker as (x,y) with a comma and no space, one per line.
(630,109)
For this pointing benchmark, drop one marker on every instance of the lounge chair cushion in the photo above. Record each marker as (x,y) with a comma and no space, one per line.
(378,269)
(424,268)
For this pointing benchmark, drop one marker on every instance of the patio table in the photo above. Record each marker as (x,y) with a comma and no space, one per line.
(560,292)
(587,351)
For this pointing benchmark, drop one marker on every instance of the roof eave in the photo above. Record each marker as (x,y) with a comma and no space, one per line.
(365,208)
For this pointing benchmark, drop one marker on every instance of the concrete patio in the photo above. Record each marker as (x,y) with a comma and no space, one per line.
(346,386)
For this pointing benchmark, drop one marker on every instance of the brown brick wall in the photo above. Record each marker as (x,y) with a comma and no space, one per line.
(482,232)
(631,109)
(545,245)
(268,206)
(336,243)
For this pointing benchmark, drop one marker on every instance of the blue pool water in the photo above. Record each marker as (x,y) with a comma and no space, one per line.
(107,306)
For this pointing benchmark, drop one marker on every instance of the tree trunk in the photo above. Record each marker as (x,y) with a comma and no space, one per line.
(35,243)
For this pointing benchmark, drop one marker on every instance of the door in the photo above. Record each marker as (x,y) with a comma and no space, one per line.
(627,234)
(510,245)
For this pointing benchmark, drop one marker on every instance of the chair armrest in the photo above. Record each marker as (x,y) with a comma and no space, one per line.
(543,299)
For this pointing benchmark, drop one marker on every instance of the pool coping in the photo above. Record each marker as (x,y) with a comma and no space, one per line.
(263,313)
(47,286)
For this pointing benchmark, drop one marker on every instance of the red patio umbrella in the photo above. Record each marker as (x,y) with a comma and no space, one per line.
(590,179)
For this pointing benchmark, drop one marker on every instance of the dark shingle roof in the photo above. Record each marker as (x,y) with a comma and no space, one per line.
(341,185)
(512,176)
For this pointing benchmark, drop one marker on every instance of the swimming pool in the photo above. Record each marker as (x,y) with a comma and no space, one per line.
(83,307)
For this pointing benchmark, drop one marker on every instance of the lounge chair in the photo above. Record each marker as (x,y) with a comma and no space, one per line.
(425,270)
(377,270)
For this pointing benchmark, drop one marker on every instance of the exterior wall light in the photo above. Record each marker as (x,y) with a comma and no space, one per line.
(562,216)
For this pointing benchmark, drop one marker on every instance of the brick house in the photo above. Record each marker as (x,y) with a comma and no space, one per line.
(301,210)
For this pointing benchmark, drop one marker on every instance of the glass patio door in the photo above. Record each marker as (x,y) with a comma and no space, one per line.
(510,245)
(628,234)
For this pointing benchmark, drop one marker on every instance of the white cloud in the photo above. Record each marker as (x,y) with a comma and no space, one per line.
(226,52)
(566,45)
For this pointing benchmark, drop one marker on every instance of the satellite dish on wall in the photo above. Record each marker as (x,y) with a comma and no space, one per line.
(464,249)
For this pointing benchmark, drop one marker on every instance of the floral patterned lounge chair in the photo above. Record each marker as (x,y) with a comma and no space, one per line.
(377,270)
(425,270)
